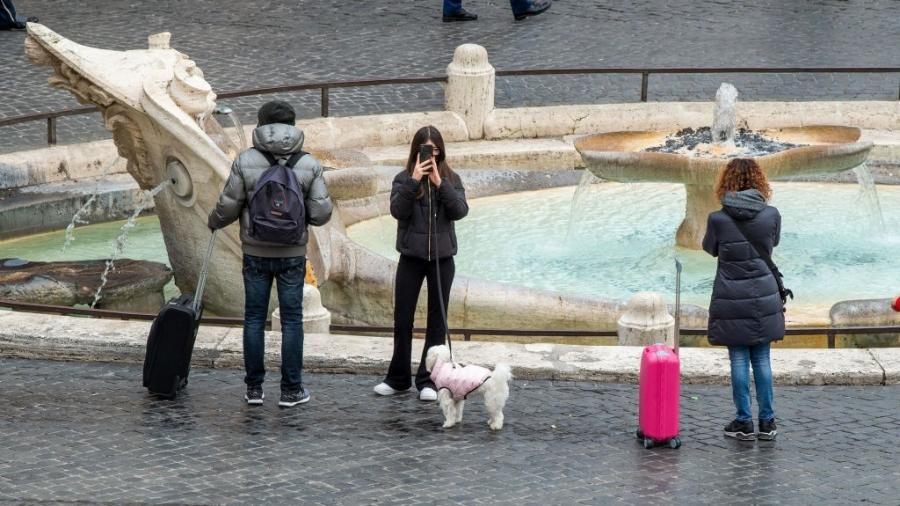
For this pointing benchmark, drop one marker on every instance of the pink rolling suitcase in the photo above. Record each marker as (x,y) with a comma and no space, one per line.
(660,385)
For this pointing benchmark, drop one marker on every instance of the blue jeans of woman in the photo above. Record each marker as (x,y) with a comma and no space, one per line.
(289,275)
(742,357)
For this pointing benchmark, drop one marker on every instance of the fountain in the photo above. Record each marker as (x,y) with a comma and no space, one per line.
(694,157)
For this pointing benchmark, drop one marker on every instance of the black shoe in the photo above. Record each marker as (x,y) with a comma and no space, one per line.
(461,15)
(537,7)
(740,430)
(767,430)
(291,399)
(254,396)
(32,19)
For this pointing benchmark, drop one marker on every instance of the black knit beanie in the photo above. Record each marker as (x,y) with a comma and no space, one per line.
(276,111)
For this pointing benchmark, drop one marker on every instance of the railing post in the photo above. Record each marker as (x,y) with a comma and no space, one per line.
(324,101)
(51,130)
(645,80)
(831,339)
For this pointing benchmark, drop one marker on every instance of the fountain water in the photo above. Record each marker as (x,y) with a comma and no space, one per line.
(868,194)
(121,240)
(77,217)
(578,200)
(723,115)
(236,123)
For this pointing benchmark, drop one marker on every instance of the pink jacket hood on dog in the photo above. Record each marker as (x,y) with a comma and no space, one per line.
(460,379)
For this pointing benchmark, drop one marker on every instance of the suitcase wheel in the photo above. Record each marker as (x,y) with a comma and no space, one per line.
(674,443)
(648,443)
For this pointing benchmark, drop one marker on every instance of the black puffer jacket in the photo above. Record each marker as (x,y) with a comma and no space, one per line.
(746,307)
(415,236)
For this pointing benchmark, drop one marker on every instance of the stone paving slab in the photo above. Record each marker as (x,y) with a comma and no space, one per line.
(39,336)
(335,40)
(88,433)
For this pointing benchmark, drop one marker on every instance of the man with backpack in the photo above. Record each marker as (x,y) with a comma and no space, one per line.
(276,190)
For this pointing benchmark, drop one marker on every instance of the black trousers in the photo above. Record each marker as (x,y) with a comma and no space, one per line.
(410,274)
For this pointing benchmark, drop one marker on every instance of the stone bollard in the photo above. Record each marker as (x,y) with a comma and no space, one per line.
(646,321)
(316,319)
(470,87)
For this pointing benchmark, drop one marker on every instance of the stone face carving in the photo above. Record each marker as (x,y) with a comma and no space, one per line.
(190,90)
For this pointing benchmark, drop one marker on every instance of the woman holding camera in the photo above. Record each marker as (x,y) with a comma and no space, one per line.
(426,198)
(746,312)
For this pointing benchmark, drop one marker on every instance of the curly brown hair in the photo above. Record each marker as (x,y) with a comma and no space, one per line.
(743,174)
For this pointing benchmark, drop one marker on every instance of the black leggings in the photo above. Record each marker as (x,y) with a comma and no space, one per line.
(410,273)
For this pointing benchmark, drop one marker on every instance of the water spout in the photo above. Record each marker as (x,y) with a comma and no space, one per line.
(724,115)
(578,199)
(77,217)
(868,194)
(236,122)
(121,240)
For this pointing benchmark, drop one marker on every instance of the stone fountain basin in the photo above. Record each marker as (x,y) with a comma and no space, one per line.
(619,156)
(133,285)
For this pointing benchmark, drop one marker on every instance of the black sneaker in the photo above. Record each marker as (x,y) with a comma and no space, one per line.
(254,396)
(536,7)
(291,399)
(740,430)
(767,430)
(461,15)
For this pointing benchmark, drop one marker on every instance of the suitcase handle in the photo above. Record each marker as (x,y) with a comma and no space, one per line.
(204,272)
(677,303)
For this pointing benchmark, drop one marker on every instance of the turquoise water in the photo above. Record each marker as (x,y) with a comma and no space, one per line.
(622,242)
(623,237)
(144,242)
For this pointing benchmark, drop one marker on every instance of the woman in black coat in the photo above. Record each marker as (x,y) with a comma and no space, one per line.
(746,312)
(426,199)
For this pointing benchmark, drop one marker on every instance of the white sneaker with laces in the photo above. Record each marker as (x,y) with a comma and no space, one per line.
(427,394)
(385,389)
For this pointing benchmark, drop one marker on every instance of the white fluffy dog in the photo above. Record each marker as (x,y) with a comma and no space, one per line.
(456,381)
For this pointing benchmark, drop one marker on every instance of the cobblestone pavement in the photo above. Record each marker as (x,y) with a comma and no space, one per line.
(240,45)
(82,432)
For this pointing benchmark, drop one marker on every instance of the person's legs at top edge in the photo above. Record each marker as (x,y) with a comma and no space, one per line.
(765,395)
(436,330)
(257,285)
(290,276)
(742,426)
(453,11)
(407,285)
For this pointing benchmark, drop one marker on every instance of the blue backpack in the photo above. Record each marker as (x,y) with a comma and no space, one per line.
(277,209)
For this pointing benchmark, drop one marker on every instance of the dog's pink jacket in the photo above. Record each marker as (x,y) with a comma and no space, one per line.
(460,379)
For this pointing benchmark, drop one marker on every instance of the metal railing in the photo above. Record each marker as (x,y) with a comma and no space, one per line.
(325,87)
(467,333)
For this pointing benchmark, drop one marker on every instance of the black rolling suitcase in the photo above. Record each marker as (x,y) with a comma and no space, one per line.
(171,340)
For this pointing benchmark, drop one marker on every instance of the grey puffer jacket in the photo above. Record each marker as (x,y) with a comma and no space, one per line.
(746,307)
(282,141)
(415,236)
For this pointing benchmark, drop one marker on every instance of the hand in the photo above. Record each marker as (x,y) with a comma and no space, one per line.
(421,169)
(434,176)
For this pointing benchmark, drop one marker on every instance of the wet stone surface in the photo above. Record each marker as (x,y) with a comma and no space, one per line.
(81,432)
(331,40)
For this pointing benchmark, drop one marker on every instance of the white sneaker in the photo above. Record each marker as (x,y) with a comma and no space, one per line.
(427,394)
(385,389)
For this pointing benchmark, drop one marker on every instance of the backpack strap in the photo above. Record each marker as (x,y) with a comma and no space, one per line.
(295,158)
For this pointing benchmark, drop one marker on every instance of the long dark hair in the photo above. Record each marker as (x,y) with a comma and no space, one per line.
(425,134)
(743,174)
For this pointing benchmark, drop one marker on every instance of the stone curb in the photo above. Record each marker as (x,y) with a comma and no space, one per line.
(39,336)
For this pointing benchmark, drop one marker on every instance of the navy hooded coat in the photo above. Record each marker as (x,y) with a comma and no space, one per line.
(746,307)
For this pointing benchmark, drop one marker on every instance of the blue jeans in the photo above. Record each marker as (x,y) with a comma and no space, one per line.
(741,359)
(454,6)
(289,273)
